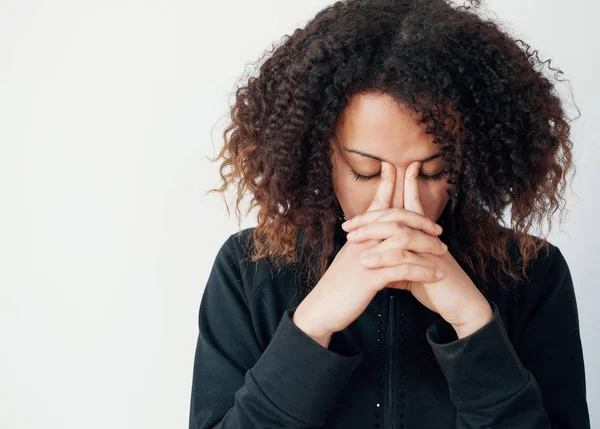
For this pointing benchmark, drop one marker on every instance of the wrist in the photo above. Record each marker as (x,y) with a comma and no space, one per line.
(479,318)
(312,329)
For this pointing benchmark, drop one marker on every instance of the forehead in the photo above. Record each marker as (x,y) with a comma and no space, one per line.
(378,124)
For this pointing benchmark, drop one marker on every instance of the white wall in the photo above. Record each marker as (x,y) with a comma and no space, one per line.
(107,110)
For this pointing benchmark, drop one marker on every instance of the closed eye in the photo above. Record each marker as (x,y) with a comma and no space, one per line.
(434,177)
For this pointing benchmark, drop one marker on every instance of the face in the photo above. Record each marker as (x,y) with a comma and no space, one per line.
(374,127)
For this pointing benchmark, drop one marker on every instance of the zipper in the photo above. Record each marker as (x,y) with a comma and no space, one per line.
(391,360)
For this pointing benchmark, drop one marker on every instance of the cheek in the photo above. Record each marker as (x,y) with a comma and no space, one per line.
(434,198)
(433,192)
(354,196)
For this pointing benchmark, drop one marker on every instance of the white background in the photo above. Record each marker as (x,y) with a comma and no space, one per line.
(107,112)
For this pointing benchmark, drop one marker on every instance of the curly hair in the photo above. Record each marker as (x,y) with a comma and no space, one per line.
(512,138)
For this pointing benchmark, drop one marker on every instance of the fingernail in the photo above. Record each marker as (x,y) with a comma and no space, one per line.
(438,227)
(352,234)
(438,274)
(444,247)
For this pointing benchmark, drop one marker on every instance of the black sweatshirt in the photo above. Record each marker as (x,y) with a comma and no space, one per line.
(399,365)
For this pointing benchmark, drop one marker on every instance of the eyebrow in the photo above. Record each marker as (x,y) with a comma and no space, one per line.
(368,155)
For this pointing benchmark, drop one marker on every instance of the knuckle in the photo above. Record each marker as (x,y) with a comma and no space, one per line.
(375,257)
(409,235)
(399,227)
(439,245)
(400,254)
(402,240)
(433,276)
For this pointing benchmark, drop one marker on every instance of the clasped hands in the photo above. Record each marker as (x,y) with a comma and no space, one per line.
(454,297)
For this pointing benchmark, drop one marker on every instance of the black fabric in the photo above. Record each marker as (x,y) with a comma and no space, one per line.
(254,368)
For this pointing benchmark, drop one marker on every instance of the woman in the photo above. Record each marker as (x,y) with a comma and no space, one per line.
(421,122)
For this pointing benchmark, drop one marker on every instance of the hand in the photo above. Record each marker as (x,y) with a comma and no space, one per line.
(347,287)
(454,297)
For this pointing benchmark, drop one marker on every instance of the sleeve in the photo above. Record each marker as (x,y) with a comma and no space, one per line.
(293,383)
(537,383)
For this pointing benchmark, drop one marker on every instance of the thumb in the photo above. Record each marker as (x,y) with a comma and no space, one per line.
(383,196)
(412,197)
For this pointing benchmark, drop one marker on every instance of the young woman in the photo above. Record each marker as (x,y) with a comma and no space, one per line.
(423,123)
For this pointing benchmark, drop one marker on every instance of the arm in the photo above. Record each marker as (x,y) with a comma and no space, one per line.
(293,383)
(537,383)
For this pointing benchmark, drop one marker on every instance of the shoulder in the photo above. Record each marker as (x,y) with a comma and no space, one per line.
(546,276)
(542,267)
(263,291)
(549,279)
(235,257)
(548,256)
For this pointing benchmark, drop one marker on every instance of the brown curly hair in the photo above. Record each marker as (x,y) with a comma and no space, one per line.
(436,58)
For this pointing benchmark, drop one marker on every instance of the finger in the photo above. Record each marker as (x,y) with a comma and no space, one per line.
(393,257)
(409,272)
(406,217)
(385,189)
(412,198)
(398,236)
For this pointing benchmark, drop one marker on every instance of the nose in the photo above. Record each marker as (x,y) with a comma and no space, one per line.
(398,193)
